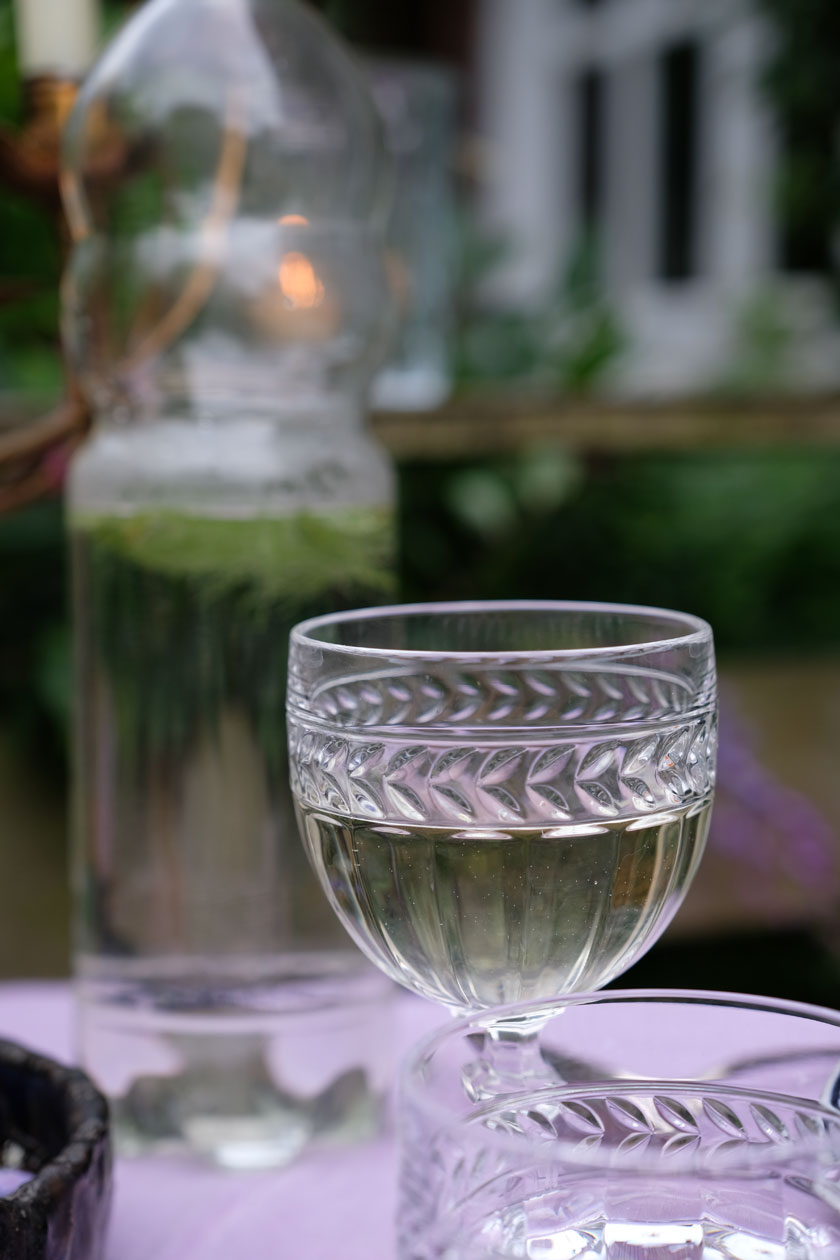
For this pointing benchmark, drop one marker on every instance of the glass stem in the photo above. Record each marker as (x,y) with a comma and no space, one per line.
(512,1059)
(514,1050)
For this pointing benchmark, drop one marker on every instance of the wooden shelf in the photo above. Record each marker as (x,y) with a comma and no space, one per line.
(473,426)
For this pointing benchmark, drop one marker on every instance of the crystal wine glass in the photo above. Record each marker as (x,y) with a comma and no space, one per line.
(503,801)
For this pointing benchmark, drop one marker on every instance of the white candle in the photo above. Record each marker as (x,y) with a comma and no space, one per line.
(56,36)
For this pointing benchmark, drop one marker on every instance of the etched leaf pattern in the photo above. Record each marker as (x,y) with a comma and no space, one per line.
(488,744)
(667,1124)
(443,1169)
(612,694)
(675,1113)
(529,783)
(675,1124)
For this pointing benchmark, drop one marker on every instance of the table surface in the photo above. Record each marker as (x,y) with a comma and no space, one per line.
(330,1203)
(341,1203)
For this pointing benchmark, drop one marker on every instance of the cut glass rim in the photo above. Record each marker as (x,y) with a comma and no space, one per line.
(690,630)
(726,1159)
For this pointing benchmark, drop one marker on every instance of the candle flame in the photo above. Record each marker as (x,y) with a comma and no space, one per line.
(293,220)
(300,285)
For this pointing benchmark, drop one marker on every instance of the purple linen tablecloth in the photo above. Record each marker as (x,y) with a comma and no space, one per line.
(331,1203)
(342,1203)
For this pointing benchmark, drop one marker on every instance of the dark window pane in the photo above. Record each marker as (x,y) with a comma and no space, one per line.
(590,93)
(679,158)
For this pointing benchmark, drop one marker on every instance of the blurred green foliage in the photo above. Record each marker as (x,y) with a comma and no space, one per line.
(762,347)
(30,255)
(569,341)
(29,261)
(751,541)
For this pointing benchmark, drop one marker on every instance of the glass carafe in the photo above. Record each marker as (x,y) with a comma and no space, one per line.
(225,306)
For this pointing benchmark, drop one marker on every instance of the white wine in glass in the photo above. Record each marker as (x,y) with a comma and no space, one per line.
(506,801)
